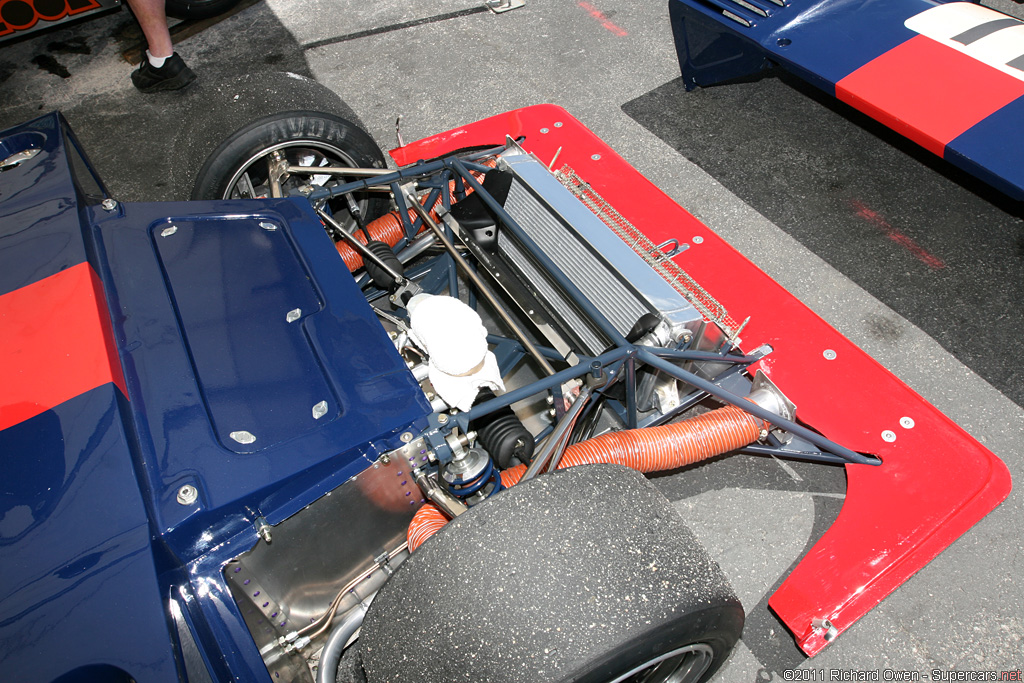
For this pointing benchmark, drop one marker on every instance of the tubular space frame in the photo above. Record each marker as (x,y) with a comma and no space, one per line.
(622,351)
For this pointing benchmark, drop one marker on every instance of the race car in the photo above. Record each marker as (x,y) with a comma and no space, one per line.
(338,421)
(947,75)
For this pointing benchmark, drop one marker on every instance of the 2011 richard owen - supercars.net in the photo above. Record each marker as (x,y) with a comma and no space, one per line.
(328,399)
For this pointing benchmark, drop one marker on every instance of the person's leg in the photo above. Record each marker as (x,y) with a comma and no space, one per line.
(153,22)
(162,69)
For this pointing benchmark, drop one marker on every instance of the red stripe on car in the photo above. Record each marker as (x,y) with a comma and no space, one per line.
(928,91)
(56,344)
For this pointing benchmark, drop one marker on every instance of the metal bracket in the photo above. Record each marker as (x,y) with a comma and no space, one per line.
(383,561)
(262,529)
(825,625)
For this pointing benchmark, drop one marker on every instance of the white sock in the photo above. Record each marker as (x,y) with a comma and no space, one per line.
(156,62)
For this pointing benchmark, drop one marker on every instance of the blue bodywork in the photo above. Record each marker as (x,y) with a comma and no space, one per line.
(100,563)
(823,42)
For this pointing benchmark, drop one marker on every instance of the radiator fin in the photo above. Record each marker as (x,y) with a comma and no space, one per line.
(580,264)
(642,245)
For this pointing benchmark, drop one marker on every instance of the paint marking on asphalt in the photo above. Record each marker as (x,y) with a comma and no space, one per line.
(605,21)
(395,27)
(919,252)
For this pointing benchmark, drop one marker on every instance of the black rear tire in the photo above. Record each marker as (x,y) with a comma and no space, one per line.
(587,574)
(307,139)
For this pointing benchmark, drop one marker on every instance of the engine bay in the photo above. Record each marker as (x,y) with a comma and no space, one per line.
(544,330)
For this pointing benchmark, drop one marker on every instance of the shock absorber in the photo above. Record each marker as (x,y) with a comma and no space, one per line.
(471,475)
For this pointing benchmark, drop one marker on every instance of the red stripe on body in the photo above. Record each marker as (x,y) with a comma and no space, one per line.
(928,92)
(56,343)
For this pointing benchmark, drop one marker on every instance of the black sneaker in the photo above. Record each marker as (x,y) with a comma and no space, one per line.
(173,75)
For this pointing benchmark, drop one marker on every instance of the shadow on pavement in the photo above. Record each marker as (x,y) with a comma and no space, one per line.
(150,147)
(937,246)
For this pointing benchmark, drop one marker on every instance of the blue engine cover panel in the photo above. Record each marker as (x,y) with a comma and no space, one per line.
(259,376)
(225,387)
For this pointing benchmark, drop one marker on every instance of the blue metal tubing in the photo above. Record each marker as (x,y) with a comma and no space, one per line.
(631,393)
(748,406)
(403,212)
(470,292)
(542,384)
(412,228)
(547,351)
(460,189)
(779,452)
(704,355)
(543,259)
(408,173)
(444,181)
(453,272)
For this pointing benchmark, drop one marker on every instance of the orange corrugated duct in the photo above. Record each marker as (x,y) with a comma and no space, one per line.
(648,450)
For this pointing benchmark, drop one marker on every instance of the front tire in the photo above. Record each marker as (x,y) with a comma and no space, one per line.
(586,575)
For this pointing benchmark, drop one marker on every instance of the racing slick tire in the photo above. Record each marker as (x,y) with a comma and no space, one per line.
(198,9)
(306,139)
(587,574)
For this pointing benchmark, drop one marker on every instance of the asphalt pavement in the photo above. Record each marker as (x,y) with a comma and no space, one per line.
(810,191)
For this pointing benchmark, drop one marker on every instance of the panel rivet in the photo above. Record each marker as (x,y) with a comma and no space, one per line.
(188,494)
(889,436)
(243,437)
(907,422)
(108,204)
(829,354)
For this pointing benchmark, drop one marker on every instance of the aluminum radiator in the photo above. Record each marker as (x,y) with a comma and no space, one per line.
(621,272)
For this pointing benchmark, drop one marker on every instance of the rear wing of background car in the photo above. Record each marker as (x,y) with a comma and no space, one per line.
(947,75)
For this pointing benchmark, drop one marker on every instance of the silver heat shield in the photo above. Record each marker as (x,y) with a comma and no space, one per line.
(621,280)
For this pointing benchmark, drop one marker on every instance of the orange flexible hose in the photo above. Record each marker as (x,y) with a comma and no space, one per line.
(388,228)
(653,449)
